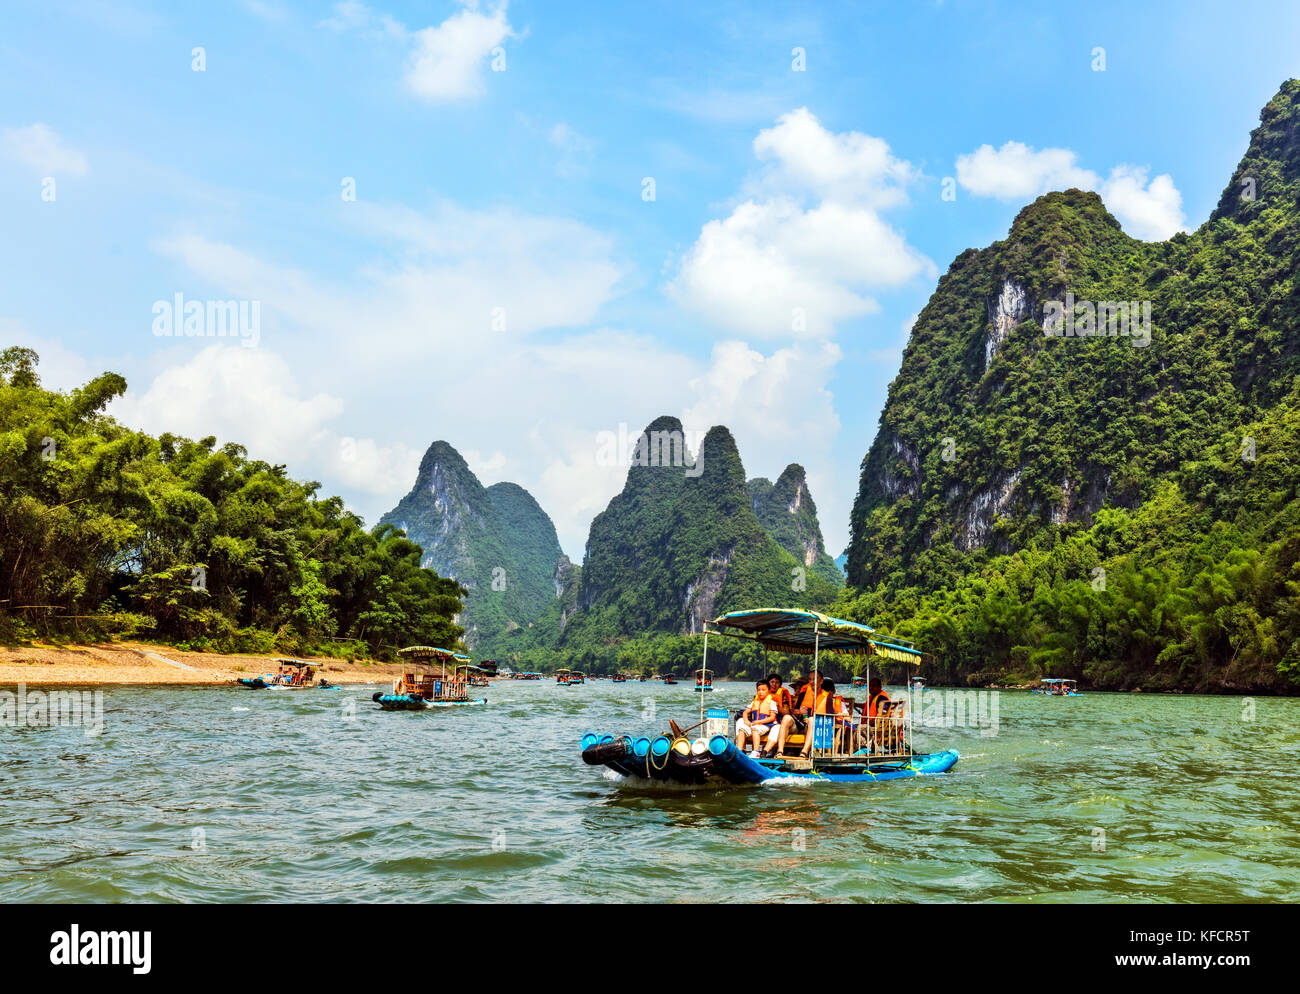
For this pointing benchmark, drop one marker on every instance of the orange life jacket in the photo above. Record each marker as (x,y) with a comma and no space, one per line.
(806,700)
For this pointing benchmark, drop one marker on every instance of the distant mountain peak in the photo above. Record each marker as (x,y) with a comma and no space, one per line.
(1269,173)
(495,541)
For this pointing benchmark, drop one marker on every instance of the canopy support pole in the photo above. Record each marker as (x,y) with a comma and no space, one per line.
(812,719)
(704,673)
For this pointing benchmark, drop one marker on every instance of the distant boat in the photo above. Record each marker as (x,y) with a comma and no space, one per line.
(703,682)
(419,687)
(1057,687)
(294,674)
(670,679)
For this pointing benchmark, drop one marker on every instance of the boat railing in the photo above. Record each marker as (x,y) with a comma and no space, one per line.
(850,735)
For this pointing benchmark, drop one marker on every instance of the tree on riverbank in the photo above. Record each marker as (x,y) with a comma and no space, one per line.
(105,530)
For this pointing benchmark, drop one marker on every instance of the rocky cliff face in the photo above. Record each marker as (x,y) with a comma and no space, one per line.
(787,513)
(496,541)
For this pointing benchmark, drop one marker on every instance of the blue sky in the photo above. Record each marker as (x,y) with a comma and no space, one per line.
(500,279)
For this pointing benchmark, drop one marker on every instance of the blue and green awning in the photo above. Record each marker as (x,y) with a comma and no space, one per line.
(797,630)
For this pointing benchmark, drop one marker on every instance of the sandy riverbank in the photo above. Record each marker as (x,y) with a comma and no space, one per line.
(139,663)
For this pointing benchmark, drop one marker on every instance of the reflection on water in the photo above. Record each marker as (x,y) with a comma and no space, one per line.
(217,794)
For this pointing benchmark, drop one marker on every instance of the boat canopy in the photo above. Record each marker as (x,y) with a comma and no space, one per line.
(797,630)
(1056,680)
(431,652)
(292,662)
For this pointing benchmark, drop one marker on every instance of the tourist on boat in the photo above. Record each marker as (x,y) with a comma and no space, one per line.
(759,720)
(875,697)
(813,699)
(784,709)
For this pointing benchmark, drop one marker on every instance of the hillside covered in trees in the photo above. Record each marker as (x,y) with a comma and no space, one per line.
(1096,505)
(678,546)
(495,541)
(107,531)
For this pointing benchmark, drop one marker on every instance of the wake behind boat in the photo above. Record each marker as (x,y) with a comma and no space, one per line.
(848,745)
(419,687)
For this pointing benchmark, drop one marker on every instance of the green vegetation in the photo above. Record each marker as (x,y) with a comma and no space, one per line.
(106,531)
(497,541)
(995,493)
(670,552)
(786,511)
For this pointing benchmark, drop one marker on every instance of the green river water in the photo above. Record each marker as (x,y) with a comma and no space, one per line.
(226,795)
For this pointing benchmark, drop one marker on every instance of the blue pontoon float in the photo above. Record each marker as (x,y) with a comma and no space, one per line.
(847,747)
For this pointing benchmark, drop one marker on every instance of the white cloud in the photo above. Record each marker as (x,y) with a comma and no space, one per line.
(39,146)
(850,167)
(777,400)
(486,468)
(1018,172)
(448,60)
(1151,211)
(445,62)
(251,396)
(779,266)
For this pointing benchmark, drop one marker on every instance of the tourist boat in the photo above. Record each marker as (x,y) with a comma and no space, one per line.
(419,688)
(858,683)
(576,677)
(670,679)
(916,683)
(294,674)
(703,682)
(847,748)
(1056,687)
(526,675)
(618,678)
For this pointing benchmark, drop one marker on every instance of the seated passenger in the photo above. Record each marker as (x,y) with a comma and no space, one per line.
(760,720)
(784,707)
(813,700)
(879,717)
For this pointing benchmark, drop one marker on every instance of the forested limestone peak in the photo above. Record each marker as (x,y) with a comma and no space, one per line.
(1268,175)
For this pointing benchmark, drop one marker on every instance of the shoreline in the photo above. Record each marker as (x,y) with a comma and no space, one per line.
(142,664)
